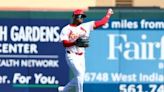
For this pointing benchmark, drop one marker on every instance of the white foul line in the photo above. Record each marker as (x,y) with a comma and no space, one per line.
(28,56)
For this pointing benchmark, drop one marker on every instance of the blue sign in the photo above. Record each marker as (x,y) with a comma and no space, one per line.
(127,59)
(31,57)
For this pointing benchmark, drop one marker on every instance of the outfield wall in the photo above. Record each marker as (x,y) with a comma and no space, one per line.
(125,55)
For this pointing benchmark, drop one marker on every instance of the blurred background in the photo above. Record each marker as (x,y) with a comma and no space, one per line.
(125,55)
(56,5)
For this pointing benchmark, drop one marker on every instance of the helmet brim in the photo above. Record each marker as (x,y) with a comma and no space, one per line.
(80,16)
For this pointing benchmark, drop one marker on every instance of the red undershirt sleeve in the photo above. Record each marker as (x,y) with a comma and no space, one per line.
(103,21)
(67,43)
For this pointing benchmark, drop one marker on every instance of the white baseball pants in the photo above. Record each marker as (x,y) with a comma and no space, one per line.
(77,65)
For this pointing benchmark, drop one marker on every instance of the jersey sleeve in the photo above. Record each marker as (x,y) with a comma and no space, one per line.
(64,34)
(89,25)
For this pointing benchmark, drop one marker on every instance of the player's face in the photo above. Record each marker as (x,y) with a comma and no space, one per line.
(79,18)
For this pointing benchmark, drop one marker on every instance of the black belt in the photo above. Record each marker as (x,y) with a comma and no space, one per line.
(68,52)
(75,53)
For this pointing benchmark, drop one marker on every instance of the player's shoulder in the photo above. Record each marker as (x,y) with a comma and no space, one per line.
(88,23)
(65,27)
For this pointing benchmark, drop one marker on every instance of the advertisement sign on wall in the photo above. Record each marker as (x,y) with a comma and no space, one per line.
(31,56)
(128,56)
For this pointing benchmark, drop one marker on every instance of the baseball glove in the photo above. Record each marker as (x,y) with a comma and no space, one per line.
(82,42)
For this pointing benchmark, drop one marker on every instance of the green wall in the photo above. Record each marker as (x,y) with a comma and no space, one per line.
(92,14)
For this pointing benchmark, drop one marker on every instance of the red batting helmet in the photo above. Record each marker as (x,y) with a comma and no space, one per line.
(79,12)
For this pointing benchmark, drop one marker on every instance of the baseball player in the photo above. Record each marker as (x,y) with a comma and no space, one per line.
(74,37)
